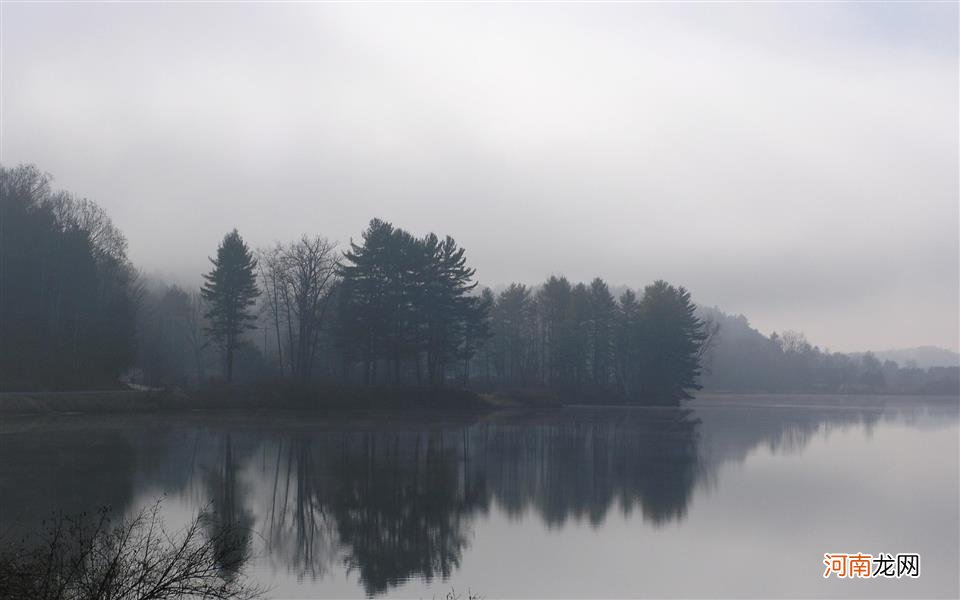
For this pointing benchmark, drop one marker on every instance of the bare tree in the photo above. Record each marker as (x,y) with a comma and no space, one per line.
(82,558)
(271,273)
(197,340)
(299,279)
(309,268)
(711,331)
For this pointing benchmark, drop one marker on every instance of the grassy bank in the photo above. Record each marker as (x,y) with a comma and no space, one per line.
(340,397)
(87,401)
(249,397)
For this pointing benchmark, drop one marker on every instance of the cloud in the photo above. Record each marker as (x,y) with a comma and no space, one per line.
(797,163)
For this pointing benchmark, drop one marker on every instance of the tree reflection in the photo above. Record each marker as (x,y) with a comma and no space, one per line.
(393,501)
(395,505)
(298,526)
(582,463)
(229,522)
(68,471)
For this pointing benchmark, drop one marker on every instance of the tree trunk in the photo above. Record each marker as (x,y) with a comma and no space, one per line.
(230,359)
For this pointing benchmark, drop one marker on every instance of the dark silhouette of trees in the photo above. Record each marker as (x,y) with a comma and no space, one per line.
(446,306)
(476,332)
(405,304)
(171,341)
(603,312)
(230,290)
(299,280)
(872,375)
(68,294)
(671,337)
(395,308)
(743,359)
(552,300)
(370,297)
(627,344)
(512,345)
(580,341)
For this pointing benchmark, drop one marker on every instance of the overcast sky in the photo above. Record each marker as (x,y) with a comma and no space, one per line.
(797,163)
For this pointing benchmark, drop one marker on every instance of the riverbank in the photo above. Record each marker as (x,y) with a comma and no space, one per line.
(344,398)
(254,397)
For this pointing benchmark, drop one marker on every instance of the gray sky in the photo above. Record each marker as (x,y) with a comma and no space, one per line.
(797,163)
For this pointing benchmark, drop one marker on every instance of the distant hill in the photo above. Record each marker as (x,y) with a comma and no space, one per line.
(923,356)
(744,360)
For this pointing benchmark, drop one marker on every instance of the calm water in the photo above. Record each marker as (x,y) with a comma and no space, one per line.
(732,496)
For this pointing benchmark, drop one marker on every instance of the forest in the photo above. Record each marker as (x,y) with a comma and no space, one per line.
(391,308)
(69,296)
(745,360)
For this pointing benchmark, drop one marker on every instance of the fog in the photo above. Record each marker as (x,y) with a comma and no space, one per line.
(796,163)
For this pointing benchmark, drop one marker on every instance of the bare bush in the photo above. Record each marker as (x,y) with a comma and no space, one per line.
(84,557)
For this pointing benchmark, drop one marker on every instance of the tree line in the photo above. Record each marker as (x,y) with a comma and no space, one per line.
(391,308)
(395,308)
(581,338)
(745,360)
(68,293)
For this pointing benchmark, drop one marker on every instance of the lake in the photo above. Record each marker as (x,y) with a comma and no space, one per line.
(727,496)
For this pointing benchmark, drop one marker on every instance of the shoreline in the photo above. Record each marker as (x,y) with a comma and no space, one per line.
(346,398)
(256,397)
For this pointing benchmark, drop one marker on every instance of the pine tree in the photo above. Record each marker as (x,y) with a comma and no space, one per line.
(513,327)
(230,290)
(407,298)
(476,330)
(552,301)
(603,309)
(628,343)
(365,316)
(577,336)
(670,340)
(454,305)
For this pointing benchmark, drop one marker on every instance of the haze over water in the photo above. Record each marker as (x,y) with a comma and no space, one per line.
(731,496)
(805,153)
(391,299)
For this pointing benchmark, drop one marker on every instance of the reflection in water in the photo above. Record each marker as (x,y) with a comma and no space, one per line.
(300,533)
(392,505)
(229,523)
(387,501)
(578,465)
(399,506)
(57,466)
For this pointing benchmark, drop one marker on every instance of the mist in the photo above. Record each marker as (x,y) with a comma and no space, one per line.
(479,299)
(794,163)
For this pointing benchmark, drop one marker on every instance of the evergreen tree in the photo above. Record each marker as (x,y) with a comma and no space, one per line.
(484,349)
(406,298)
(603,309)
(450,305)
(513,327)
(671,337)
(476,328)
(230,291)
(551,305)
(368,289)
(577,339)
(627,342)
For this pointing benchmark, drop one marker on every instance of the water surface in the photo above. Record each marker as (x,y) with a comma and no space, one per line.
(729,496)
